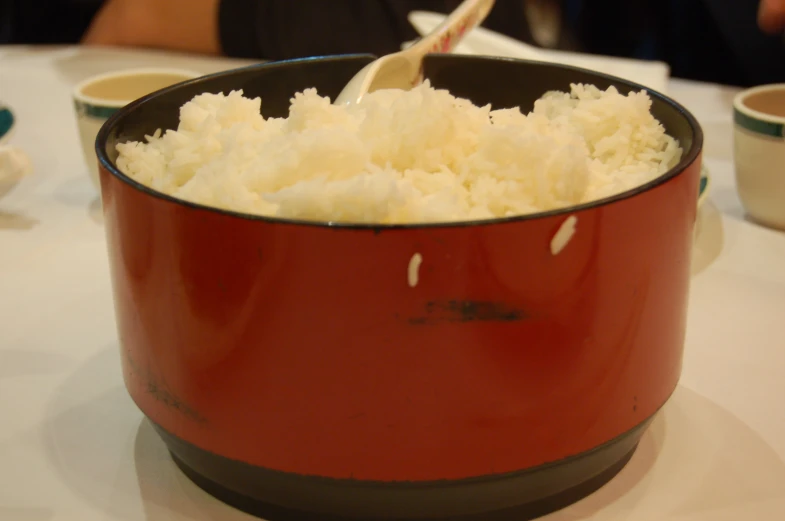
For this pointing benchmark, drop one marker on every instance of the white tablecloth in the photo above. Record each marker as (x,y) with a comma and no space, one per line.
(74,447)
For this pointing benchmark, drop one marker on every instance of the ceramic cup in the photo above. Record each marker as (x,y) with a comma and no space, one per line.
(98,97)
(759,152)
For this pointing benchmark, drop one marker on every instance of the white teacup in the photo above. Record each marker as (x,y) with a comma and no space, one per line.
(759,151)
(98,97)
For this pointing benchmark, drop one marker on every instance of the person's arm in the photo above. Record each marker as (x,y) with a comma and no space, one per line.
(264,29)
(183,25)
(771,15)
(268,29)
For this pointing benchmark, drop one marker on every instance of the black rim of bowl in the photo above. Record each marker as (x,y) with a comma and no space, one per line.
(687,159)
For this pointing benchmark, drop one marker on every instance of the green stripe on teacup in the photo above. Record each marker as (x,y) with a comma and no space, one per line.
(6,121)
(94,111)
(767,128)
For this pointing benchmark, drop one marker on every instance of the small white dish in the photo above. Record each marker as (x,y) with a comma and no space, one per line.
(651,74)
(14,163)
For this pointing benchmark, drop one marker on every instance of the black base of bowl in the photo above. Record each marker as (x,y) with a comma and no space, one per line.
(521,495)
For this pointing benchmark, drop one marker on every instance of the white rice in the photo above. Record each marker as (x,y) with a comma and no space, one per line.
(563,235)
(413,273)
(404,157)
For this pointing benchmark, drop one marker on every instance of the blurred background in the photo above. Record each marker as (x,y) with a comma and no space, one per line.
(718,41)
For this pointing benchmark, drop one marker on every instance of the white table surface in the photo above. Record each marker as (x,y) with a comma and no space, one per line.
(74,447)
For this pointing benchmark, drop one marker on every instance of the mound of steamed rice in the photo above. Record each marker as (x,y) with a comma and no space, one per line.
(404,156)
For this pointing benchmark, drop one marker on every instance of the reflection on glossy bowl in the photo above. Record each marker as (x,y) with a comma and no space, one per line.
(295,367)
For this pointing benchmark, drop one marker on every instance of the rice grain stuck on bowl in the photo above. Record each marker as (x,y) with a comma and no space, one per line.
(404,156)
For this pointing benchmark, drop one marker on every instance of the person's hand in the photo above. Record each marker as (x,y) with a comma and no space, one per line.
(771,15)
(185,25)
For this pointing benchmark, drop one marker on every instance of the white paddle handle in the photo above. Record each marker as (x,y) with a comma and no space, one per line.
(448,34)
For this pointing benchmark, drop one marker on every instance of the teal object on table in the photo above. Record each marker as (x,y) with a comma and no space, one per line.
(6,122)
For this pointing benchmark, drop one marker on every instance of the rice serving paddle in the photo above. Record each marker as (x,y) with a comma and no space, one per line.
(403,69)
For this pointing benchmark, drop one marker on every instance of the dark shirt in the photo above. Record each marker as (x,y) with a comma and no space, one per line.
(709,40)
(284,29)
(45,21)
